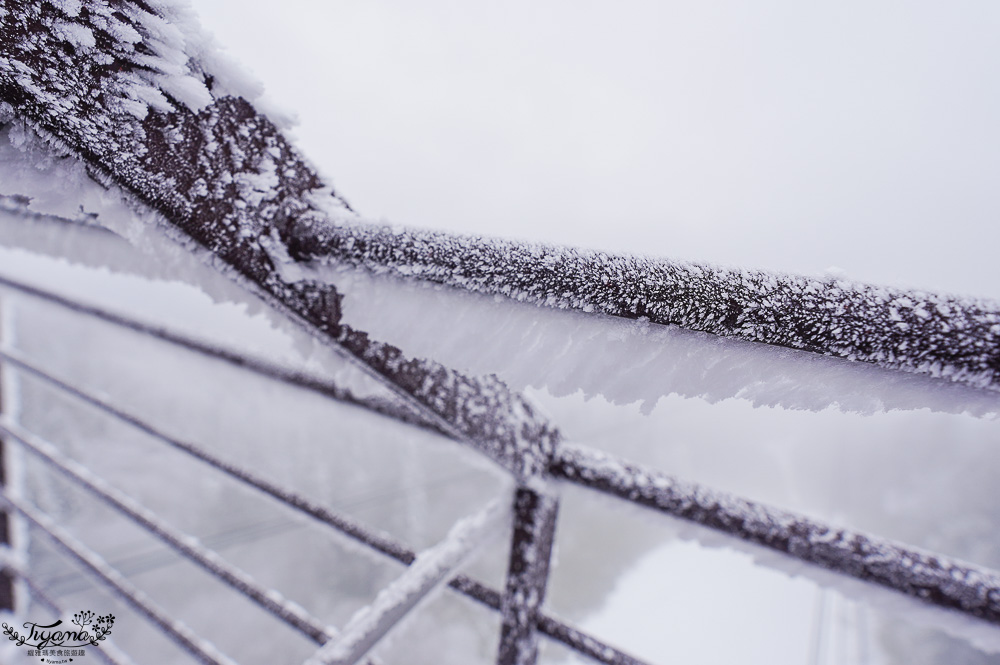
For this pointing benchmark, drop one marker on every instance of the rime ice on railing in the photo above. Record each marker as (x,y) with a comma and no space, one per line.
(119,87)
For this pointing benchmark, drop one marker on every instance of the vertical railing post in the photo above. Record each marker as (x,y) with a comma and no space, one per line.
(6,526)
(535,509)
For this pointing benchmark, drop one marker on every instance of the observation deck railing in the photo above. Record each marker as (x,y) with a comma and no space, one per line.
(927,577)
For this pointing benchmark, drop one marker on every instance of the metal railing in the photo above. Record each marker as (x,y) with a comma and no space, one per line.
(929,578)
(86,108)
(353,644)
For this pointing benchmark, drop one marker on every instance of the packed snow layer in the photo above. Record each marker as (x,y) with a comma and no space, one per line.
(429,572)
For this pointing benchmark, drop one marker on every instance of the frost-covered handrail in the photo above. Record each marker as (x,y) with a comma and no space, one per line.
(181,634)
(925,576)
(379,541)
(116,88)
(946,336)
(270,600)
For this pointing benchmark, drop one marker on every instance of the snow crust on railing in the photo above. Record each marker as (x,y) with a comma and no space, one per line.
(943,336)
(624,361)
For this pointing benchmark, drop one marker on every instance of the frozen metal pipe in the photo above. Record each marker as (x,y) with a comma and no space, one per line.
(928,577)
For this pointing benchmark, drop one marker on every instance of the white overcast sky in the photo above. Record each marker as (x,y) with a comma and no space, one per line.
(767,133)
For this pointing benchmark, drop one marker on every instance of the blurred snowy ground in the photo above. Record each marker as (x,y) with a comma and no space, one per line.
(766,135)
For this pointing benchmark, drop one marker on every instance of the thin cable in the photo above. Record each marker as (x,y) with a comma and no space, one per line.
(148,560)
(253,364)
(204,651)
(269,599)
(107,652)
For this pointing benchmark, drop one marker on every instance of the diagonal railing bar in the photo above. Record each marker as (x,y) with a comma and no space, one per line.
(429,570)
(188,546)
(181,634)
(169,161)
(257,365)
(376,540)
(38,592)
(108,651)
(925,576)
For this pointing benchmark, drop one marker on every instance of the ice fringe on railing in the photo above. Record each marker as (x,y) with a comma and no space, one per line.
(923,576)
(114,85)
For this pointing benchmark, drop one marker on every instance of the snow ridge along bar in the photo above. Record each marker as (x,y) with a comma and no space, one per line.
(943,336)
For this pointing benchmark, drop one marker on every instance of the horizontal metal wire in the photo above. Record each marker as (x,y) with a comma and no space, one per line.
(269,599)
(181,634)
(257,365)
(376,540)
(107,652)
(924,576)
